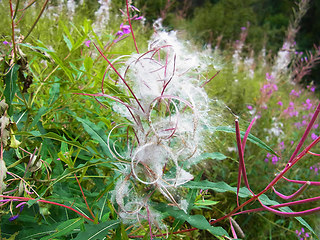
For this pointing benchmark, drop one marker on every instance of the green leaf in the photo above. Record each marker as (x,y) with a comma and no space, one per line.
(36,119)
(214,156)
(62,66)
(65,228)
(44,49)
(79,42)
(191,197)
(206,202)
(124,235)
(251,138)
(88,63)
(197,221)
(54,91)
(12,237)
(97,231)
(299,219)
(224,187)
(11,86)
(67,32)
(96,133)
(53,136)
(59,62)
(68,42)
(218,187)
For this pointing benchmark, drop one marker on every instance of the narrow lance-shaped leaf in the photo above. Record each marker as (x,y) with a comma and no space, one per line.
(251,138)
(97,231)
(96,133)
(197,221)
(11,86)
(65,228)
(53,136)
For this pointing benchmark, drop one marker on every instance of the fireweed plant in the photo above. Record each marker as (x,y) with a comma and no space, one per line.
(165,117)
(167,114)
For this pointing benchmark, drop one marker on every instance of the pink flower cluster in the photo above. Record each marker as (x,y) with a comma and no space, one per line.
(311,88)
(307,105)
(290,110)
(274,158)
(294,93)
(268,89)
(302,235)
(315,168)
(269,77)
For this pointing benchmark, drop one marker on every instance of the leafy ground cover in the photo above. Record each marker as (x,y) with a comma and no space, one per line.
(113,130)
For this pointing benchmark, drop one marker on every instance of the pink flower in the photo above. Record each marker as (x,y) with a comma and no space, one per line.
(133,8)
(294,93)
(268,89)
(281,146)
(290,110)
(311,88)
(275,159)
(280,103)
(249,107)
(119,33)
(87,43)
(125,28)
(308,104)
(269,76)
(314,136)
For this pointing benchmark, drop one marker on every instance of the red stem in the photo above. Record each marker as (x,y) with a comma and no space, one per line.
(295,194)
(209,79)
(129,20)
(241,156)
(49,202)
(304,136)
(123,80)
(84,197)
(12,30)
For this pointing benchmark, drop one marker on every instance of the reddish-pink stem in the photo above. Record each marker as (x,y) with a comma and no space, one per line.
(244,141)
(116,71)
(294,195)
(84,197)
(234,234)
(209,79)
(49,202)
(242,167)
(281,205)
(302,182)
(12,32)
(129,21)
(304,136)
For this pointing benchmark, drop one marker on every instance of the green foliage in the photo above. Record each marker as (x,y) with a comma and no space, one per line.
(56,149)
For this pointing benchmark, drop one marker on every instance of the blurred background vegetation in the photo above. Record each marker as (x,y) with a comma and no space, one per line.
(207,20)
